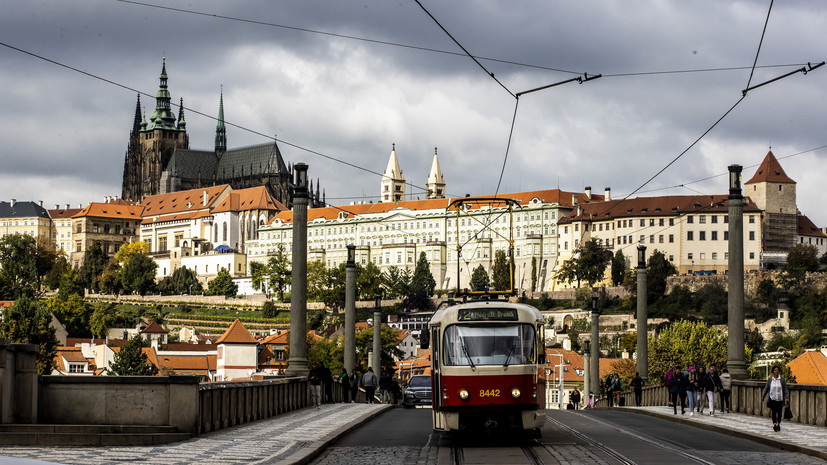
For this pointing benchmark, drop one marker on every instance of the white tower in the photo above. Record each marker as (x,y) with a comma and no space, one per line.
(393,181)
(435,184)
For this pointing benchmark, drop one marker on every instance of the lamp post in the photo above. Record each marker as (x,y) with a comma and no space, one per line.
(297,363)
(595,362)
(642,317)
(735,275)
(377,335)
(350,308)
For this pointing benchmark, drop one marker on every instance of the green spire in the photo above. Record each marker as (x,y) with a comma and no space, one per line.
(220,130)
(162,117)
(182,124)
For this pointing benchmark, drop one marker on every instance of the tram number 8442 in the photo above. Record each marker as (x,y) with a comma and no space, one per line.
(489,393)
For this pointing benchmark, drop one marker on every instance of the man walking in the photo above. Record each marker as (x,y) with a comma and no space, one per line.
(385,382)
(369,382)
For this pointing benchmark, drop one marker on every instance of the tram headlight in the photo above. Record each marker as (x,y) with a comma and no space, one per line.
(515,393)
(464,394)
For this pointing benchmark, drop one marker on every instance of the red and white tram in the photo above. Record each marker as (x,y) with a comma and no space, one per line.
(486,358)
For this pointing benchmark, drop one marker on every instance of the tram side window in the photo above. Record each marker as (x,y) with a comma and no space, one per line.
(466,345)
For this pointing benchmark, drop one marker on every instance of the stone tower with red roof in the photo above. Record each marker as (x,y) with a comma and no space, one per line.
(774,193)
(236,354)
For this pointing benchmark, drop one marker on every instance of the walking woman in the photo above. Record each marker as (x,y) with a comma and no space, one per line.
(777,396)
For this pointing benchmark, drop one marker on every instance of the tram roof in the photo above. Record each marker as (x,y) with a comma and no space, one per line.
(449,314)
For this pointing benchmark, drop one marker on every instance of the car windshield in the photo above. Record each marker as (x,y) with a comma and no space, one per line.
(488,345)
(420,381)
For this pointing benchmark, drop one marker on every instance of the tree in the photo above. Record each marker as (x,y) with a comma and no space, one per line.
(618,268)
(73,313)
(479,279)
(69,284)
(686,343)
(18,267)
(27,321)
(389,341)
(269,309)
(397,282)
(138,273)
(712,301)
(368,280)
(657,270)
(182,281)
(223,284)
(258,271)
(501,272)
(52,279)
(592,261)
(533,274)
(131,360)
(278,268)
(103,318)
(94,262)
(422,284)
(129,249)
(317,280)
(802,258)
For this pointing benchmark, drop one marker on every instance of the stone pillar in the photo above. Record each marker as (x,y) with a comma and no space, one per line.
(377,337)
(586,373)
(297,363)
(25,382)
(642,317)
(735,274)
(350,309)
(6,383)
(595,361)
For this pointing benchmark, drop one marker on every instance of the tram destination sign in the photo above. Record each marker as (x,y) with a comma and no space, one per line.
(487,314)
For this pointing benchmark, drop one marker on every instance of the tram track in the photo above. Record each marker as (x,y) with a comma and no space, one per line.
(530,455)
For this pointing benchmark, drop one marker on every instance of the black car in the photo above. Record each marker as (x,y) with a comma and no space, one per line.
(418,391)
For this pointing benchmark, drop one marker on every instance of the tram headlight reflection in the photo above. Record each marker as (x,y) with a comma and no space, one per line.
(464,394)
(515,393)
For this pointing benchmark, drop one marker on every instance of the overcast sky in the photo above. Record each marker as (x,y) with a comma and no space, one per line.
(349,79)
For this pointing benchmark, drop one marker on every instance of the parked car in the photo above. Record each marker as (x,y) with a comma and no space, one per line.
(417,392)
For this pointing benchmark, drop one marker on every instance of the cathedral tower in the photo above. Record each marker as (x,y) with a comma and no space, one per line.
(393,181)
(435,183)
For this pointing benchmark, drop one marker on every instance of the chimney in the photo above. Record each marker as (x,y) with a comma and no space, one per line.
(607,194)
(13,201)
(579,210)
(57,207)
(573,199)
(67,206)
(80,205)
(205,198)
(41,203)
(588,192)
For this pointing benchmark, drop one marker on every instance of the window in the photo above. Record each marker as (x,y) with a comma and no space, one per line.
(752,235)
(671,238)
(660,238)
(690,235)
(714,255)
(689,256)
(702,219)
(714,235)
(651,221)
(752,218)
(751,255)
(642,222)
(660,222)
(701,235)
(652,239)
(689,219)
(671,258)
(713,218)
(726,235)
(224,232)
(726,219)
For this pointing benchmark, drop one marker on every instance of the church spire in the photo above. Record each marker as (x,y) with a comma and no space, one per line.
(220,130)
(162,117)
(182,124)
(393,181)
(435,184)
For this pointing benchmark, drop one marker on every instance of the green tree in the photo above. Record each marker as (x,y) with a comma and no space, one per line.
(269,309)
(94,262)
(479,279)
(618,268)
(712,301)
(103,318)
(317,280)
(138,273)
(69,284)
(329,353)
(500,272)
(27,321)
(396,282)
(111,280)
(73,313)
(422,285)
(52,279)
(657,270)
(258,272)
(182,281)
(223,284)
(802,258)
(131,360)
(18,267)
(278,268)
(389,340)
(368,281)
(592,261)
(686,343)
(533,274)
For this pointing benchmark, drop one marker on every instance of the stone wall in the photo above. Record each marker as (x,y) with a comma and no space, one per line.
(751,280)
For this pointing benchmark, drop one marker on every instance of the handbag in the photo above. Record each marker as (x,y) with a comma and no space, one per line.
(788,414)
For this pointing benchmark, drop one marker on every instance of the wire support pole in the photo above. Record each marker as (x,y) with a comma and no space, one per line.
(803,69)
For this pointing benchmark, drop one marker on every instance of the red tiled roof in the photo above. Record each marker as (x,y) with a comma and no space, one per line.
(809,368)
(236,334)
(770,171)
(670,205)
(187,347)
(154,328)
(808,228)
(253,198)
(189,363)
(110,210)
(183,201)
(64,212)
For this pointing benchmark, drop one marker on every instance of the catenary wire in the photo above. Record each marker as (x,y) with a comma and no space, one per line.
(760,42)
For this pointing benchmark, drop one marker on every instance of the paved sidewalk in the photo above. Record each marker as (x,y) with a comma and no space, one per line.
(292,438)
(796,437)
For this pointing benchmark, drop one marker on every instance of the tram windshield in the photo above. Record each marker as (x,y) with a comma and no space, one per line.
(472,345)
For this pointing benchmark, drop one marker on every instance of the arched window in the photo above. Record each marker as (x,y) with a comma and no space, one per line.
(225,231)
(215,237)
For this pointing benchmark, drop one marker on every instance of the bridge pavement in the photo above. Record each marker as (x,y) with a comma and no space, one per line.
(298,437)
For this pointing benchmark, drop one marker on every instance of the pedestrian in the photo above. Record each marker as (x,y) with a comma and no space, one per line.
(712,386)
(327,383)
(667,380)
(396,393)
(354,384)
(701,390)
(691,389)
(574,397)
(637,385)
(617,389)
(726,391)
(315,380)
(384,388)
(778,395)
(369,382)
(344,381)
(677,390)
